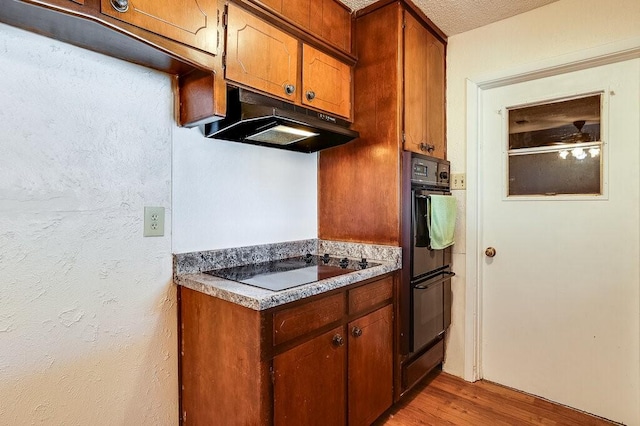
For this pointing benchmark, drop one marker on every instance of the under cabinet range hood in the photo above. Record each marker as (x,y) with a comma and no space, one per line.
(261,120)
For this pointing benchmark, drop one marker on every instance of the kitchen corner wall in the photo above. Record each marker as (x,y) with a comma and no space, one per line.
(560,28)
(87,306)
(228,194)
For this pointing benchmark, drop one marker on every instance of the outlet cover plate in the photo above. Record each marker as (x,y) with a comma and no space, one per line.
(458,181)
(154,221)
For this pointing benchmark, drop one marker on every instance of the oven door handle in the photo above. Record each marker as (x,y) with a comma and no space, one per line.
(443,279)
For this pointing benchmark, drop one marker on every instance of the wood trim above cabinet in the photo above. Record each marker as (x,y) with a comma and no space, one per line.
(433,28)
(302,34)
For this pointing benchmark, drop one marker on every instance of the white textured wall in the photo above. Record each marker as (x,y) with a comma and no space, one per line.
(561,28)
(87,307)
(228,194)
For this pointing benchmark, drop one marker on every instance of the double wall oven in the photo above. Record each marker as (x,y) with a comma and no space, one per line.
(425,299)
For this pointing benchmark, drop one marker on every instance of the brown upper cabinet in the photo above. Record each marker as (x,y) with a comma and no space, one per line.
(326,82)
(192,22)
(261,56)
(173,37)
(187,38)
(424,89)
(399,105)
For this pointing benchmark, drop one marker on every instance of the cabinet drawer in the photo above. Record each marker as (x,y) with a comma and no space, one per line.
(302,319)
(419,367)
(370,295)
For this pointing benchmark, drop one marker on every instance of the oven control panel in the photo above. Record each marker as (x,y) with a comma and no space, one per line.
(429,171)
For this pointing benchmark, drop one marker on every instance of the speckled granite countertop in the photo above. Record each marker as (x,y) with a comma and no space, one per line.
(188,268)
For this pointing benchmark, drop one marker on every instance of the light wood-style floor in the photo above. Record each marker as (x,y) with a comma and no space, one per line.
(443,399)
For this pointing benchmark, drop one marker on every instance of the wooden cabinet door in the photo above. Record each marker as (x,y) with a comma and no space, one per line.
(415,85)
(424,93)
(370,381)
(309,387)
(299,11)
(328,19)
(436,96)
(326,82)
(192,22)
(260,56)
(335,25)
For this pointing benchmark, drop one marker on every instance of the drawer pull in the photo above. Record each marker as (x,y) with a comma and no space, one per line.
(338,340)
(120,5)
(311,95)
(356,331)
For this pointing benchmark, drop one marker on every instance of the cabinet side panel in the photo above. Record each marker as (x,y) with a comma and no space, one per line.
(223,378)
(359,182)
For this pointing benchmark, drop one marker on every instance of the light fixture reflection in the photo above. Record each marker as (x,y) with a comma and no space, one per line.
(579,153)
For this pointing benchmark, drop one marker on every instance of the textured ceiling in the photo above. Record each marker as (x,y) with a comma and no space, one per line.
(458,16)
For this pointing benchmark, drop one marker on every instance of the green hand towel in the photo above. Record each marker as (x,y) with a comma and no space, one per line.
(442,221)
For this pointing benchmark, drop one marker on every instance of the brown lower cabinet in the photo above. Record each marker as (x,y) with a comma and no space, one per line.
(300,374)
(325,360)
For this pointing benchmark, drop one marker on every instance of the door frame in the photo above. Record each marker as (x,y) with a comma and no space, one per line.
(590,58)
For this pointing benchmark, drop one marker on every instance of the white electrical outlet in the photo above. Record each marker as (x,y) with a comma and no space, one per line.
(458,181)
(153,221)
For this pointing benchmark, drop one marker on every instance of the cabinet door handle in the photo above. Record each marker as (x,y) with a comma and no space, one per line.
(289,89)
(338,340)
(427,147)
(120,5)
(356,331)
(311,95)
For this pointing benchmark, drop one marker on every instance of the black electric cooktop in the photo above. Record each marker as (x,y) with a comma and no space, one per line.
(292,272)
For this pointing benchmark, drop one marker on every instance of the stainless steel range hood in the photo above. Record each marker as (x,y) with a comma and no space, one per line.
(261,120)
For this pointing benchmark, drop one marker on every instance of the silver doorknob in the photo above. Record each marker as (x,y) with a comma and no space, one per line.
(490,252)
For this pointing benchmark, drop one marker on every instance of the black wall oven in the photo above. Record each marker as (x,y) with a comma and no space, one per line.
(425,302)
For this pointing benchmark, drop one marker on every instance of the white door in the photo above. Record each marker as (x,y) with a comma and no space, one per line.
(560,299)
